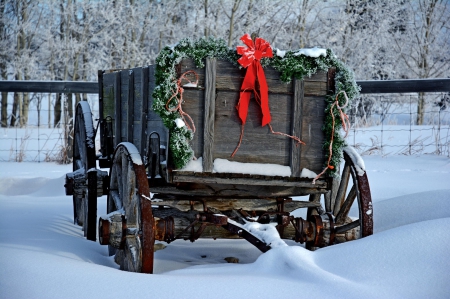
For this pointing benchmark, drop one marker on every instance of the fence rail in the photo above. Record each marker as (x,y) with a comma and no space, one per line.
(375,136)
(367,86)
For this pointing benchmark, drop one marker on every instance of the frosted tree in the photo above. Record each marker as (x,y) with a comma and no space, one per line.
(424,44)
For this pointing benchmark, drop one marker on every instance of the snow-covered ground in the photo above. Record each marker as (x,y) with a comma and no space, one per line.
(43,255)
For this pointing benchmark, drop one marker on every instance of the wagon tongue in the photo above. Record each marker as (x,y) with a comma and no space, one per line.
(242,232)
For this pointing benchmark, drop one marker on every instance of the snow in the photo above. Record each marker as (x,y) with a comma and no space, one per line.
(226,166)
(306,173)
(195,165)
(44,255)
(356,159)
(133,151)
(190,84)
(281,53)
(311,52)
(179,123)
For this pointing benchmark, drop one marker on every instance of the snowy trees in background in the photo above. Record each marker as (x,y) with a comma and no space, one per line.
(424,46)
(72,39)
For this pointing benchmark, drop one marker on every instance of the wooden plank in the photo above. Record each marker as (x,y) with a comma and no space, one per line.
(124,107)
(130,106)
(313,117)
(194,106)
(236,191)
(179,177)
(210,100)
(259,145)
(154,121)
(320,76)
(49,86)
(315,88)
(138,120)
(108,95)
(296,127)
(118,109)
(403,86)
(144,110)
(367,86)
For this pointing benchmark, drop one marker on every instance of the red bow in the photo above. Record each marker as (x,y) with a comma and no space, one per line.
(250,59)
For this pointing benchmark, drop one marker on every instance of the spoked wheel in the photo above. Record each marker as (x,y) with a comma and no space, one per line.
(129,228)
(355,181)
(85,200)
(352,192)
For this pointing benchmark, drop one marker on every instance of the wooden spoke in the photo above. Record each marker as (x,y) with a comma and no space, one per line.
(85,203)
(347,227)
(340,195)
(345,209)
(129,195)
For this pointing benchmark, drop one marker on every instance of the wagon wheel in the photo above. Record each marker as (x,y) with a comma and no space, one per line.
(129,194)
(85,204)
(353,189)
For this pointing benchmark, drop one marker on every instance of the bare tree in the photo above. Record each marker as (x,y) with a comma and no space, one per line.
(425,47)
(3,59)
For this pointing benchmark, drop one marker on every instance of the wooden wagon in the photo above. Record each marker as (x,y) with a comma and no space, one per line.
(216,195)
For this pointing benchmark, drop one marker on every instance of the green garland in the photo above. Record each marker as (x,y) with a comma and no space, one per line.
(289,66)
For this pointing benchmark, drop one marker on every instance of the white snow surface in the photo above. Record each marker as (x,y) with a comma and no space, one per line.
(179,123)
(134,153)
(356,159)
(311,52)
(281,53)
(44,255)
(227,166)
(190,84)
(306,173)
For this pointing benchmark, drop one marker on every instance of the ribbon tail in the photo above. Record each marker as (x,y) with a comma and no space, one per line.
(242,106)
(247,86)
(264,94)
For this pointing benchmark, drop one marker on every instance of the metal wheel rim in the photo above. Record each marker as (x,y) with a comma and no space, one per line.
(130,194)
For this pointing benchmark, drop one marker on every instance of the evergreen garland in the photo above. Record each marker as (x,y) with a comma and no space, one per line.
(290,66)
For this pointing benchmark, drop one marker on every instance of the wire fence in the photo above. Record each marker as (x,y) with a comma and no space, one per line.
(382,124)
(41,140)
(388,124)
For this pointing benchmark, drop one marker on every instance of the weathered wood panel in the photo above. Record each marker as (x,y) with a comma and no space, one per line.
(130,105)
(124,105)
(296,124)
(295,111)
(144,110)
(154,122)
(209,116)
(118,109)
(312,154)
(197,187)
(194,106)
(108,94)
(258,145)
(138,108)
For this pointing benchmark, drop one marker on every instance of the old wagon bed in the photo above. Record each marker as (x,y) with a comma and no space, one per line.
(174,130)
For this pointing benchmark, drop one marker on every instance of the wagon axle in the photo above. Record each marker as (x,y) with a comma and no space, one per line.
(317,231)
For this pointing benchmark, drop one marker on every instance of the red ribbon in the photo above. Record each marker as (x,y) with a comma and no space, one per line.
(251,55)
